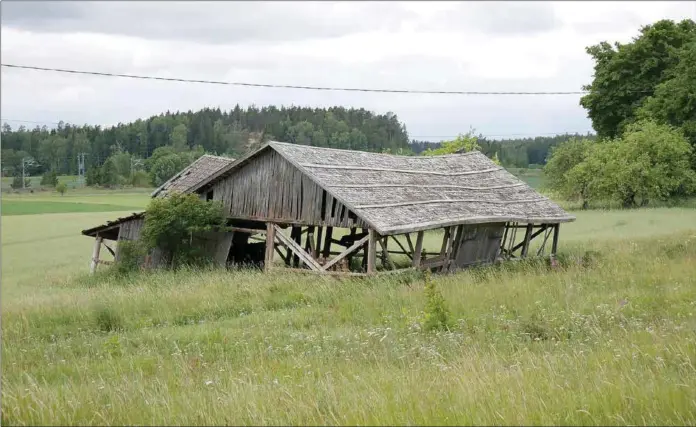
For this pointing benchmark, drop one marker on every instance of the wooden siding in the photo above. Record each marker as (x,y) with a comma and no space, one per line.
(269,188)
(130,230)
(480,244)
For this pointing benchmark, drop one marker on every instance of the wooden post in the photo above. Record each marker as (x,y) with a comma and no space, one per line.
(554,246)
(95,255)
(327,242)
(371,251)
(296,235)
(270,246)
(418,250)
(527,238)
(317,250)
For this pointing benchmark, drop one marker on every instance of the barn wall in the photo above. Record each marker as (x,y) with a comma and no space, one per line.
(480,244)
(269,188)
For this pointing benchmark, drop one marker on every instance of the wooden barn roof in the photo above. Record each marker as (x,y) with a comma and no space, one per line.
(399,194)
(201,169)
(108,230)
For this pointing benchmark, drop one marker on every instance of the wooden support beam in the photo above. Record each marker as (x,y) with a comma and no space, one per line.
(385,254)
(454,247)
(296,235)
(407,253)
(554,245)
(527,239)
(327,242)
(317,250)
(297,250)
(246,230)
(519,245)
(417,252)
(371,251)
(270,246)
(109,249)
(345,253)
(282,255)
(410,243)
(547,233)
(95,254)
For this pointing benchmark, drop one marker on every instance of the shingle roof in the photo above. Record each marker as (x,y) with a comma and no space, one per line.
(201,169)
(400,193)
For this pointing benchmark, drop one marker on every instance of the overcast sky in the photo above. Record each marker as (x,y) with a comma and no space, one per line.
(479,46)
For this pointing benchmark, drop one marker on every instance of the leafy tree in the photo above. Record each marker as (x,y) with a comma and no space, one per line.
(165,168)
(93,176)
(122,163)
(179,138)
(171,222)
(674,100)
(626,74)
(17,182)
(562,160)
(61,188)
(50,178)
(650,162)
(109,174)
(462,144)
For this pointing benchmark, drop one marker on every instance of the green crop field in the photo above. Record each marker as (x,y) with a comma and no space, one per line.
(607,338)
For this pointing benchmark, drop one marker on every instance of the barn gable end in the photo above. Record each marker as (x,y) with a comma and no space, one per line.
(269,187)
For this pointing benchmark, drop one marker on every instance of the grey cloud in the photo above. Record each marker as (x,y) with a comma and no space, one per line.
(499,18)
(210,22)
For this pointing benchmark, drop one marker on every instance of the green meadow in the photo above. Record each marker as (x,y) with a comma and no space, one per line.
(606,338)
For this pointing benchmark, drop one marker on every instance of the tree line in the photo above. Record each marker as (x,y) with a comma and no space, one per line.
(125,152)
(642,103)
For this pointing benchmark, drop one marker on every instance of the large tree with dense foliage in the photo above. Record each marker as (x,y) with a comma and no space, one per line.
(626,75)
(650,161)
(674,100)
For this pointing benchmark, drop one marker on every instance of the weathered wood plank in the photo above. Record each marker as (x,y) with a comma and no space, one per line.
(345,253)
(297,250)
(270,245)
(417,252)
(371,251)
(95,254)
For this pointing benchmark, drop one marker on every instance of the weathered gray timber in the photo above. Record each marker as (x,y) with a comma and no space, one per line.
(202,168)
(296,195)
(269,188)
(130,227)
(390,194)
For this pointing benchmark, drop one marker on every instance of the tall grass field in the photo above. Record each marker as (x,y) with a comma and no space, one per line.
(607,337)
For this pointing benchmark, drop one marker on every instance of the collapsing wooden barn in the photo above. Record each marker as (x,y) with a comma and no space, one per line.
(129,227)
(472,205)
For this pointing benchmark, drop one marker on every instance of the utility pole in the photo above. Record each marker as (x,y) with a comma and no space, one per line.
(24,163)
(81,169)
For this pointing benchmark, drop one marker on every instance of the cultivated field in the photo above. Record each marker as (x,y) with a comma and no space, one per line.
(606,338)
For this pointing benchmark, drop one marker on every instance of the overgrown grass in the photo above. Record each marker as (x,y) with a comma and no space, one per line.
(606,338)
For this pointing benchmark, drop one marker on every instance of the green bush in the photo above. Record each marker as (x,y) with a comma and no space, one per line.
(172,222)
(61,188)
(131,255)
(436,312)
(50,179)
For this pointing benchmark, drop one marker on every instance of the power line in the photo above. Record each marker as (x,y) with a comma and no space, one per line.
(279,86)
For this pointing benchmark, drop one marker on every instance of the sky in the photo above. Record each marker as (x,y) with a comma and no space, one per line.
(464,46)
